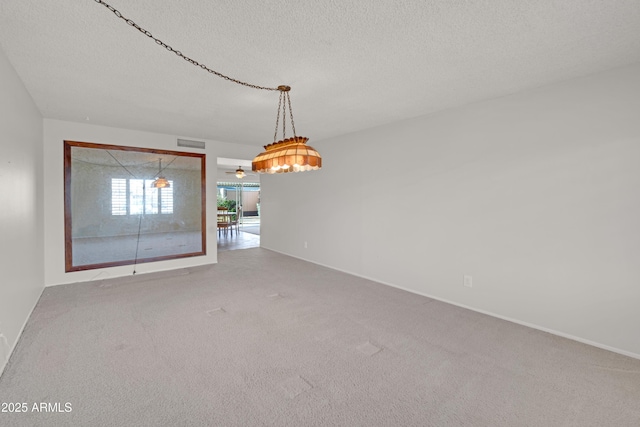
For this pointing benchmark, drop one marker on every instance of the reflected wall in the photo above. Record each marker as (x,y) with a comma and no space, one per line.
(115,215)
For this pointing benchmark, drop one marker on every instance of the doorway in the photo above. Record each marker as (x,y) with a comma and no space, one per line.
(238,193)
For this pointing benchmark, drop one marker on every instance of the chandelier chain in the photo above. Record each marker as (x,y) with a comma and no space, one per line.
(284,117)
(293,126)
(275,134)
(178,53)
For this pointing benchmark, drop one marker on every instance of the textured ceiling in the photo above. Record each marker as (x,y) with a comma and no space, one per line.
(352,65)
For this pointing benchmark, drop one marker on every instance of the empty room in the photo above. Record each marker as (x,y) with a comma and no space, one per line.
(310,213)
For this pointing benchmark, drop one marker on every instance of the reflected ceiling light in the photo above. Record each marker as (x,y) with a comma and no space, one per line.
(286,155)
(240,173)
(160,181)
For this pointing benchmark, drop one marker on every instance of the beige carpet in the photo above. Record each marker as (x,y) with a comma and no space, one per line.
(264,339)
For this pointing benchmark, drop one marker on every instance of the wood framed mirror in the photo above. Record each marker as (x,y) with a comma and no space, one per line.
(127,205)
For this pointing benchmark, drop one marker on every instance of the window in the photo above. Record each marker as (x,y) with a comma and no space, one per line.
(141,197)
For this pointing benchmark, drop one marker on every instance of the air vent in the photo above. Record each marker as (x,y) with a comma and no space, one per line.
(190,143)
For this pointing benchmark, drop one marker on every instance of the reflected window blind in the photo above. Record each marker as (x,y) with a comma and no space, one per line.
(141,197)
(118,196)
(166,199)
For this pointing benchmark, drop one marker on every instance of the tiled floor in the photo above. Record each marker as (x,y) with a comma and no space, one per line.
(240,240)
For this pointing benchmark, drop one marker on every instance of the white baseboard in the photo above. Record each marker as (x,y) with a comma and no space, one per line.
(12,347)
(488,313)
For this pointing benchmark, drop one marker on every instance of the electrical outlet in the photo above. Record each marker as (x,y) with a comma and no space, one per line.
(305,245)
(467,281)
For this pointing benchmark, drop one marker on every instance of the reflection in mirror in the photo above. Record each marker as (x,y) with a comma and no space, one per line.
(127,205)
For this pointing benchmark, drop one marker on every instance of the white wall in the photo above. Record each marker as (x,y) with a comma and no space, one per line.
(536,195)
(55,132)
(21,216)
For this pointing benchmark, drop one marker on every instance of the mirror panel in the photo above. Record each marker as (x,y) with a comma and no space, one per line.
(117,211)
